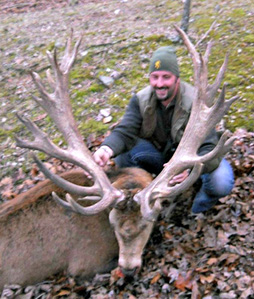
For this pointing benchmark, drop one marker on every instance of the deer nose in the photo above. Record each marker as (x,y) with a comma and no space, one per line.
(130,272)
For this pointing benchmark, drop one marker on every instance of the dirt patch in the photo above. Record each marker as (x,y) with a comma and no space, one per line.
(22,6)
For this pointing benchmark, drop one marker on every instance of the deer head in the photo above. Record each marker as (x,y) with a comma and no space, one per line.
(132,230)
(132,219)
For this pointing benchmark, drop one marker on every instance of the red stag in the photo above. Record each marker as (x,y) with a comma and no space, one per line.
(132,220)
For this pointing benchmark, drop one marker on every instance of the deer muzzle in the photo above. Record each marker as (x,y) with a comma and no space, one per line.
(130,273)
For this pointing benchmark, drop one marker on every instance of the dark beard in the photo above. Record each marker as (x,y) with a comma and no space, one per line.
(169,94)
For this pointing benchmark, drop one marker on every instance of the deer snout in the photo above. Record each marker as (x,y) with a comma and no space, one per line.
(129,261)
(128,273)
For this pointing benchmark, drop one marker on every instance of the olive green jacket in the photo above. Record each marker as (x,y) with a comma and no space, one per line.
(143,119)
(148,102)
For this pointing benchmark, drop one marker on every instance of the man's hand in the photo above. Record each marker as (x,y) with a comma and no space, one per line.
(102,155)
(179,178)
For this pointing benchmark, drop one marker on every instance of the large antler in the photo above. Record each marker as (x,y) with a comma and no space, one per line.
(205,114)
(58,107)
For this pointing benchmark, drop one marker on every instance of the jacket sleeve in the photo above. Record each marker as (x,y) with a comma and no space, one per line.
(125,135)
(208,145)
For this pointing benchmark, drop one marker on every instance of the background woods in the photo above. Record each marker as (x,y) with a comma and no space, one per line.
(186,256)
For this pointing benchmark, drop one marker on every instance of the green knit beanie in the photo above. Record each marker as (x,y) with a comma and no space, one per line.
(164,59)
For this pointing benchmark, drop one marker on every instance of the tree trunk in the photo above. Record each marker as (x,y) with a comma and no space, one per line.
(186,15)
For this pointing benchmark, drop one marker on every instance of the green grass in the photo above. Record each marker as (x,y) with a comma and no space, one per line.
(232,33)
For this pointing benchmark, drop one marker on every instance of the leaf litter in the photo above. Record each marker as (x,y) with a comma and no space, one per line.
(206,256)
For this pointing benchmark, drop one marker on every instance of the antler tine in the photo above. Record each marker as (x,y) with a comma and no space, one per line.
(203,79)
(206,34)
(217,150)
(167,193)
(59,75)
(192,50)
(67,52)
(72,205)
(150,214)
(229,143)
(208,51)
(50,79)
(203,118)
(63,203)
(42,90)
(68,186)
(213,89)
(70,56)
(221,106)
(199,65)
(91,210)
(41,141)
(58,107)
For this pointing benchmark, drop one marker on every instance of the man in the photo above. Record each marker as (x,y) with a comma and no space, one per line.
(152,128)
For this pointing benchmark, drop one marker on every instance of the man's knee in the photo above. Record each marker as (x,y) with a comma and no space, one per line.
(221,181)
(143,155)
(222,187)
(124,160)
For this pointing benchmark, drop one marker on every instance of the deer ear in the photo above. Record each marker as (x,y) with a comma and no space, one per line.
(112,217)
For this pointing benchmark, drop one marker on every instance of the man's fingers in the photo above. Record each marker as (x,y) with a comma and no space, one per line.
(179,178)
(98,160)
(102,155)
(101,161)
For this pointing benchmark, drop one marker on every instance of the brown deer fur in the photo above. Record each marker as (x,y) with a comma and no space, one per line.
(39,238)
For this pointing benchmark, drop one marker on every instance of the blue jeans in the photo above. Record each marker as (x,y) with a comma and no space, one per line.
(143,155)
(215,185)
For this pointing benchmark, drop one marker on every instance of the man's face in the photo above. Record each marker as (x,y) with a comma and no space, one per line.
(163,83)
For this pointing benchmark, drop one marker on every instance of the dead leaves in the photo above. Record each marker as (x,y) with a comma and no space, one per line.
(187,257)
(184,282)
(116,274)
(241,154)
(20,181)
(155,278)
